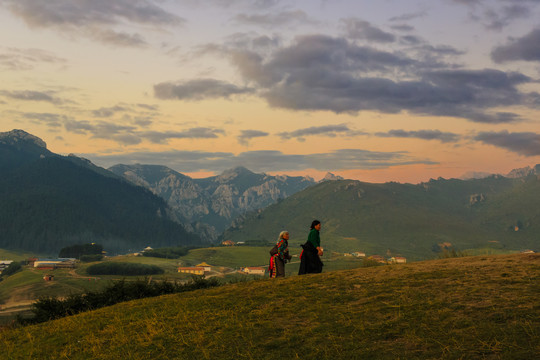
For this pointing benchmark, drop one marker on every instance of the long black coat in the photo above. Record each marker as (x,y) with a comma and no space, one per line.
(310,263)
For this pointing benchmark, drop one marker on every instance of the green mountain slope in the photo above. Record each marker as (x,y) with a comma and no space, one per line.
(466,308)
(415,221)
(49,201)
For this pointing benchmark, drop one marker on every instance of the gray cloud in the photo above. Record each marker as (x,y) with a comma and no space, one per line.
(361,29)
(137,114)
(271,20)
(14,59)
(131,135)
(444,137)
(442,93)
(193,133)
(262,161)
(403,27)
(523,143)
(525,48)
(246,135)
(50,119)
(197,90)
(94,18)
(148,107)
(409,16)
(498,19)
(496,15)
(31,95)
(327,130)
(106,112)
(123,134)
(120,38)
(319,72)
(250,4)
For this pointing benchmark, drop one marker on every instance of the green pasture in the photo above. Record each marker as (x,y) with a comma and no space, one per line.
(15,255)
(228,256)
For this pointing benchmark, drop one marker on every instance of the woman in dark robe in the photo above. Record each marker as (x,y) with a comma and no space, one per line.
(310,258)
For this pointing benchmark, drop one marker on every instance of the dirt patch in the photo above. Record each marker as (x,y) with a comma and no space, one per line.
(20,299)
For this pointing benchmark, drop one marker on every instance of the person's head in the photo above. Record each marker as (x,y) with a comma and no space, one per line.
(315,224)
(284,235)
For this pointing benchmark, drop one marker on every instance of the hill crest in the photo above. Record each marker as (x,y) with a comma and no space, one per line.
(475,307)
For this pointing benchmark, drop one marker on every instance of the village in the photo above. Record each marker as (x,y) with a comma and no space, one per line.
(48,265)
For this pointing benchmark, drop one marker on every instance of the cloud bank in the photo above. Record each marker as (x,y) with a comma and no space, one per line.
(262,160)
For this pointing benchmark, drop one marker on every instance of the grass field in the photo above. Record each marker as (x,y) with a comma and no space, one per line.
(14,255)
(483,307)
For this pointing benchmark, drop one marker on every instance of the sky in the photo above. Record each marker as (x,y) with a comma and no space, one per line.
(389,90)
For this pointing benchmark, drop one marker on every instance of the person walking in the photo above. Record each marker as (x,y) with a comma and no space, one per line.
(310,258)
(279,255)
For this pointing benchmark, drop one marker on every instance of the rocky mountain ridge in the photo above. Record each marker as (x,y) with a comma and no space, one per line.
(210,205)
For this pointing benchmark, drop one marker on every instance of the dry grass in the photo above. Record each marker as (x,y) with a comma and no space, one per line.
(483,307)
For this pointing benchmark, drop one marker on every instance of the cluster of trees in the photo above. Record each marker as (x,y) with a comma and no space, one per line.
(79,250)
(50,308)
(167,253)
(11,269)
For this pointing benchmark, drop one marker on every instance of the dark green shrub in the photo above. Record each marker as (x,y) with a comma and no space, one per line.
(76,251)
(167,253)
(12,268)
(50,308)
(452,253)
(370,263)
(91,258)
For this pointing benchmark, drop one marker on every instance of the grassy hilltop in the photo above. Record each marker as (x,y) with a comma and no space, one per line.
(473,307)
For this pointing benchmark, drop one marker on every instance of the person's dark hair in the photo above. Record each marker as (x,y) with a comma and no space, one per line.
(314,223)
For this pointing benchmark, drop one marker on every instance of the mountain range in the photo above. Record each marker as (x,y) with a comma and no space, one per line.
(208,206)
(48,201)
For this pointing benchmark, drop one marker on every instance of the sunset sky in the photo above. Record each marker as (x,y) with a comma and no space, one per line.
(389,90)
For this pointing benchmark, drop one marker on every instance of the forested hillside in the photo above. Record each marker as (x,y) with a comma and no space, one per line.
(49,201)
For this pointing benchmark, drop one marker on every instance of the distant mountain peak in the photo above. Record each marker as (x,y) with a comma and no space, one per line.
(239,170)
(525,171)
(235,172)
(475,175)
(17,136)
(330,177)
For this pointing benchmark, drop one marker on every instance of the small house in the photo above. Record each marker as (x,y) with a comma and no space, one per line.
(254,270)
(358,254)
(4,264)
(196,270)
(227,243)
(397,260)
(51,264)
(377,258)
(205,266)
